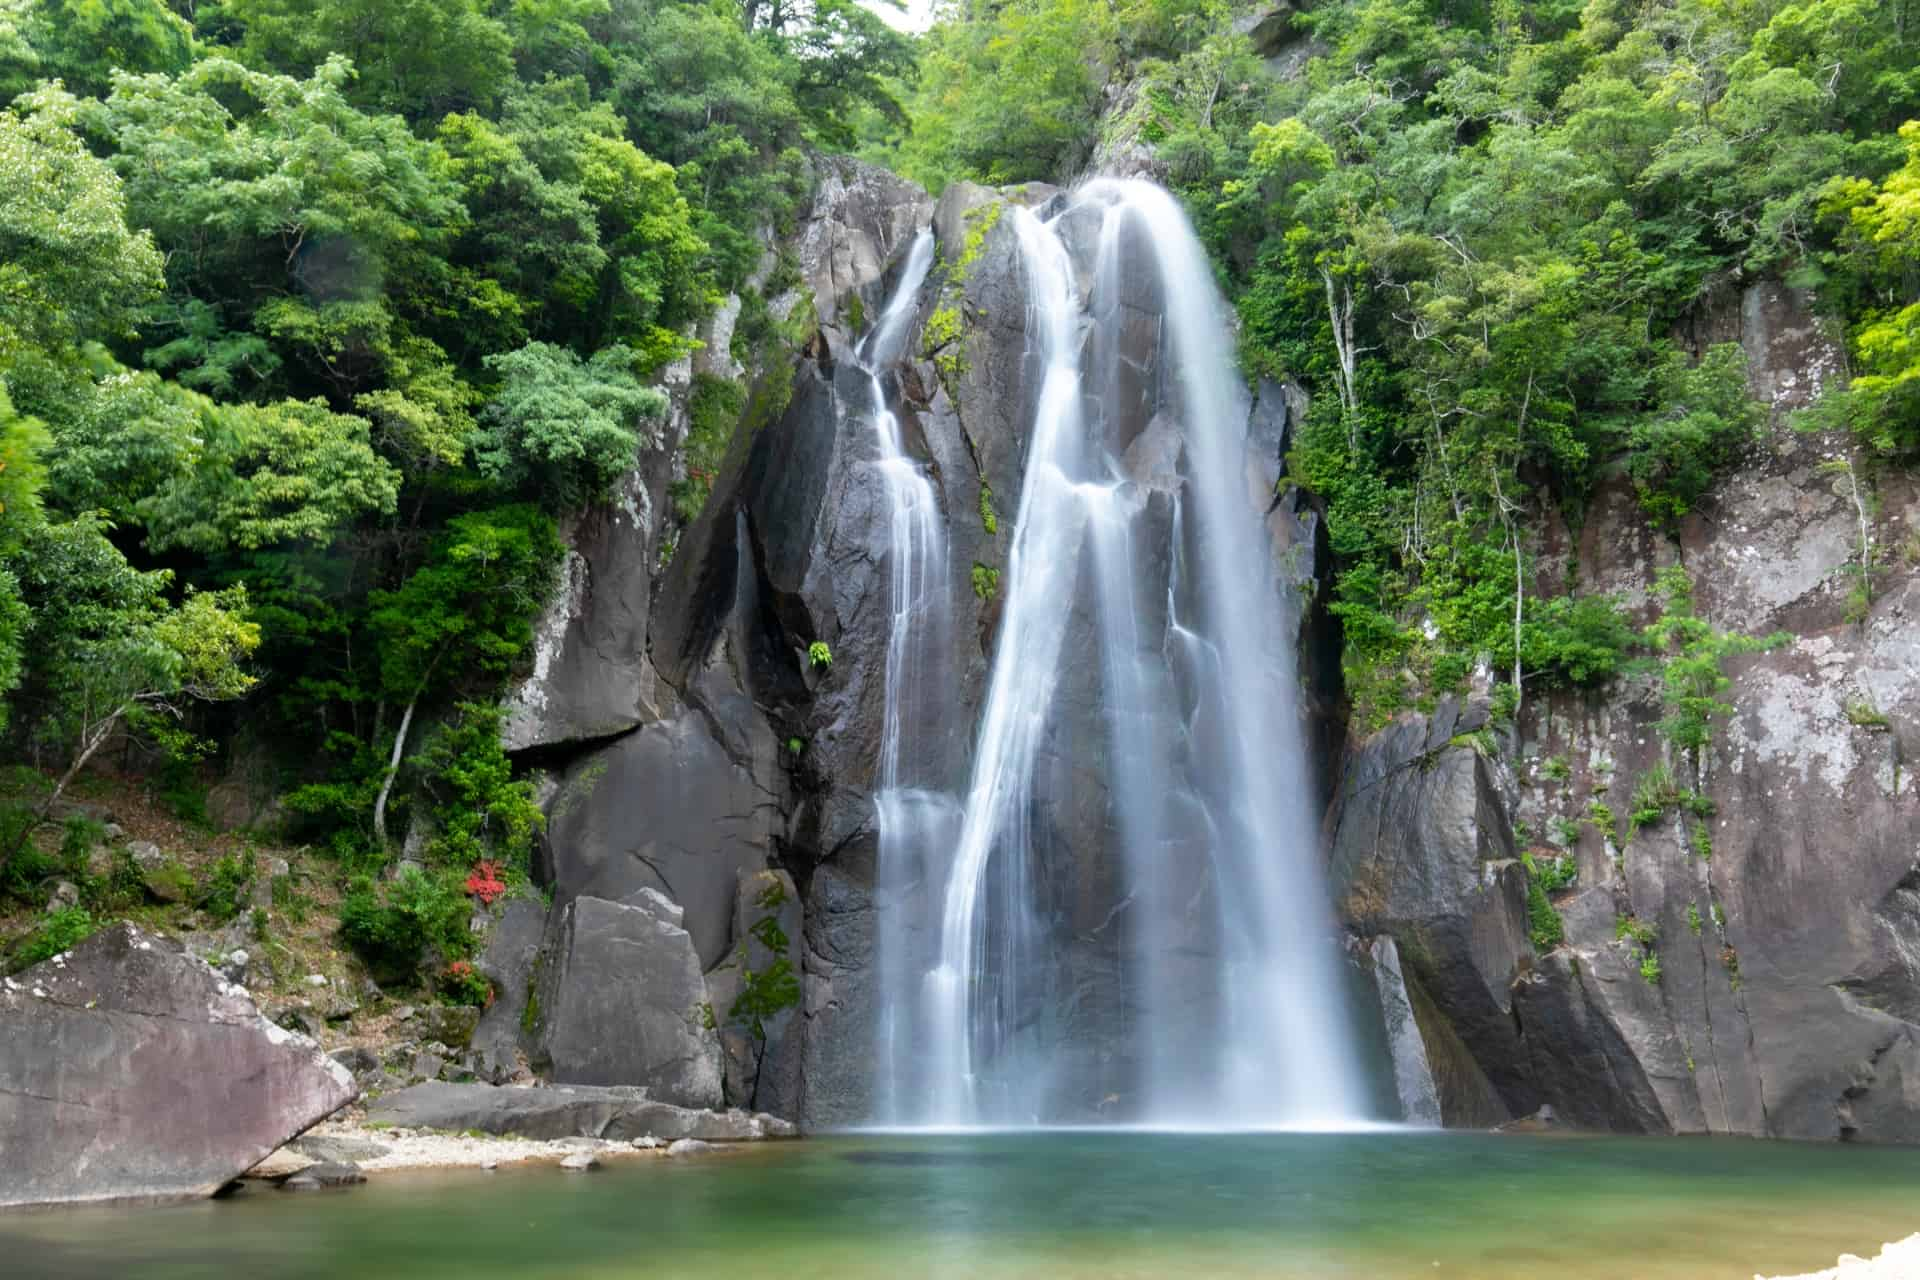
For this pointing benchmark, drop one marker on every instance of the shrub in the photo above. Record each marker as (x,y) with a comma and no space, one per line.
(58,931)
(1544,927)
(225,893)
(392,928)
(485,883)
(463,984)
(819,655)
(1576,641)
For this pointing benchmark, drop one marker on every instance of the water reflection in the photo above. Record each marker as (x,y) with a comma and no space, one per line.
(1059,1205)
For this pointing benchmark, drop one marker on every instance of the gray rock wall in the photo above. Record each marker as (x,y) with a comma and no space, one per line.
(1788,1001)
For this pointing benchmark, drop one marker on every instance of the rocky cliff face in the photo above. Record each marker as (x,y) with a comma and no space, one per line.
(696,744)
(1783,998)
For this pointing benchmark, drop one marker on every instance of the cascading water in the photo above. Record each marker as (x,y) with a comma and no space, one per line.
(916,816)
(1205,992)
(1286,1049)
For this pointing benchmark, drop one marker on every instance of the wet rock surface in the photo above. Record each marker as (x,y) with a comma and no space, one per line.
(130,1070)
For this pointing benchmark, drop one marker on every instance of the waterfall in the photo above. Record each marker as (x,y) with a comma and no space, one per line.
(915,817)
(1204,987)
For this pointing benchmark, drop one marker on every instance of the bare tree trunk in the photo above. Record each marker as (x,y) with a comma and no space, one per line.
(1340,317)
(393,769)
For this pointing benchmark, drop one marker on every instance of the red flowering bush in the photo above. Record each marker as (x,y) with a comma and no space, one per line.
(485,882)
(464,984)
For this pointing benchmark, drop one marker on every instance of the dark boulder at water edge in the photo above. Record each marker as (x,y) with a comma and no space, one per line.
(130,1070)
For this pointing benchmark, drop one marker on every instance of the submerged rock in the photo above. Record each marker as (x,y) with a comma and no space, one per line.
(130,1070)
(321,1176)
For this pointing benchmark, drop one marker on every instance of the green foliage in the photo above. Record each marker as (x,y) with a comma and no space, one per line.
(70,266)
(478,809)
(1643,937)
(226,892)
(1700,840)
(1544,926)
(468,610)
(57,932)
(1628,929)
(418,57)
(1010,93)
(989,520)
(1601,816)
(1693,919)
(766,992)
(941,342)
(1704,423)
(986,581)
(1691,669)
(564,428)
(462,984)
(1574,641)
(819,656)
(392,927)
(1557,769)
(254,475)
(713,412)
(1863,714)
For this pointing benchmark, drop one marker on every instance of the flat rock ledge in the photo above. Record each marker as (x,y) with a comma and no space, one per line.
(606,1112)
(132,1071)
(1897,1261)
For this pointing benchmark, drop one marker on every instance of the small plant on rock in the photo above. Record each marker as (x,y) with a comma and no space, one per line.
(819,655)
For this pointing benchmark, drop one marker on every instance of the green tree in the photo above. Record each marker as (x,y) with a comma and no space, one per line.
(563,427)
(104,647)
(70,268)
(420,58)
(464,616)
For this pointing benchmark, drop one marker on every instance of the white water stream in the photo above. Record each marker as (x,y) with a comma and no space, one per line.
(1202,761)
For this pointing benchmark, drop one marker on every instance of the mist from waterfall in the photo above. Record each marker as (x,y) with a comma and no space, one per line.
(1140,574)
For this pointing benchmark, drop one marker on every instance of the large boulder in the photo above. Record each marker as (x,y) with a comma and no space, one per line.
(622,1001)
(668,808)
(130,1070)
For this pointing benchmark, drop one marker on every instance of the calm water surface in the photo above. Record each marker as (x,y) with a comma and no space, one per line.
(1071,1205)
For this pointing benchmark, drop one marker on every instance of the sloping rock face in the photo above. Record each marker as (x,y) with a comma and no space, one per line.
(622,1002)
(129,1070)
(1786,997)
(566,1111)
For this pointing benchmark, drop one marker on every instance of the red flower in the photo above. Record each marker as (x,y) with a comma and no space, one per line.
(485,883)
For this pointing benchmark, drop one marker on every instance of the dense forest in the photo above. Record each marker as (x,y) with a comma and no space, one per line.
(314,318)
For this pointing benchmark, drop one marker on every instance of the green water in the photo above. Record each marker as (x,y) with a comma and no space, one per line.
(1104,1205)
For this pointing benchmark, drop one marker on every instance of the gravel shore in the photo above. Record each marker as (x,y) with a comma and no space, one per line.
(379,1150)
